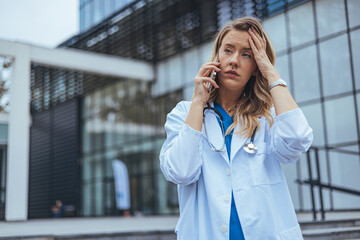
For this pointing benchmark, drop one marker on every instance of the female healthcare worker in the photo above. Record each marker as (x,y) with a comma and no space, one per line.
(227,188)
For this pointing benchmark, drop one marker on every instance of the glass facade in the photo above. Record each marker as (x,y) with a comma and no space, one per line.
(124,122)
(3,133)
(317,45)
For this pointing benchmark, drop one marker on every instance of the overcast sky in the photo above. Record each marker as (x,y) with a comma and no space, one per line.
(44,23)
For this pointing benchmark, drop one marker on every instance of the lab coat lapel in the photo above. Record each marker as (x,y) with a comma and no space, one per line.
(214,133)
(236,142)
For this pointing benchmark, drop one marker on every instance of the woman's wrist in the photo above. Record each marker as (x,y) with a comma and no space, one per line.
(273,77)
(198,103)
(195,116)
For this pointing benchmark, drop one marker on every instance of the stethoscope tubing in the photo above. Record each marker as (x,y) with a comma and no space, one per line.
(213,148)
(249,147)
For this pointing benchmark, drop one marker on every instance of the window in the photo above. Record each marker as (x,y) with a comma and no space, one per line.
(341,121)
(301,28)
(330,12)
(335,66)
(306,75)
(355,45)
(314,116)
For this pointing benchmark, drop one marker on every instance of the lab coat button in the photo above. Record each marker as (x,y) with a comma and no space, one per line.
(224,228)
(228,171)
(226,198)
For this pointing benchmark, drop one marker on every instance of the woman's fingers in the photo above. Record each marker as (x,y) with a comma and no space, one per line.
(204,80)
(208,67)
(261,58)
(262,39)
(256,38)
(253,47)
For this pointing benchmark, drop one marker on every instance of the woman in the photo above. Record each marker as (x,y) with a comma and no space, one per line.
(239,193)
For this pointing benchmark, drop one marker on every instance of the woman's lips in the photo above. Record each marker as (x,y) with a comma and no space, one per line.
(231,74)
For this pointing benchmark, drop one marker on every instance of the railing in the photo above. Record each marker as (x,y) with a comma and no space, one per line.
(315,181)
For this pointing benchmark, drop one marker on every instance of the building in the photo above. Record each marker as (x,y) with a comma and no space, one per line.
(81,122)
(93,12)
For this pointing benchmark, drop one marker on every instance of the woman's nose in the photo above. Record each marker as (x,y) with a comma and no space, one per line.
(234,61)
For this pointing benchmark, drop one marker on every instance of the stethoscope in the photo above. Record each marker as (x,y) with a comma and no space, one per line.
(248,147)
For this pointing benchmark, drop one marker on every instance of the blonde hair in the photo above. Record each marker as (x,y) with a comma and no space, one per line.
(256,100)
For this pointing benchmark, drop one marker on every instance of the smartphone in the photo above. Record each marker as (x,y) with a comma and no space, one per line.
(213,77)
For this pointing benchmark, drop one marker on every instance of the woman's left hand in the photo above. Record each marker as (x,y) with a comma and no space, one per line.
(258,47)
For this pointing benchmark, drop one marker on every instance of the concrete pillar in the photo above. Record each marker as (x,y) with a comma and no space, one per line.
(16,208)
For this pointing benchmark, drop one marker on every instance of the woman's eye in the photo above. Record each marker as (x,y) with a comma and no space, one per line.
(227,50)
(247,55)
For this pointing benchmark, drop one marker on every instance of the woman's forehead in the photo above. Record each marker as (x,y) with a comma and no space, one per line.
(237,38)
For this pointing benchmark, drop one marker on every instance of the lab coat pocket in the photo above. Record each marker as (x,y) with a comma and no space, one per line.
(292,234)
(264,168)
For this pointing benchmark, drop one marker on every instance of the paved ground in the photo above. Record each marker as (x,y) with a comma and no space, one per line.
(78,226)
(111,225)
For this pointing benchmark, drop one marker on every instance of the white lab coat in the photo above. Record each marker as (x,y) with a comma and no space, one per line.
(206,179)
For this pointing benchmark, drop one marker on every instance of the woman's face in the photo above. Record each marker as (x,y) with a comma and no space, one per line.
(237,61)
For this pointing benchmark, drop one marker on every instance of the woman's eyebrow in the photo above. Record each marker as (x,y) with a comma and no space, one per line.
(229,45)
(232,46)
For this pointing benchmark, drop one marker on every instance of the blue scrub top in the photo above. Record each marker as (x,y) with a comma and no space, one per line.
(235,226)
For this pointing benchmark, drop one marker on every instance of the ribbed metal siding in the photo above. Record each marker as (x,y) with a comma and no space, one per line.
(3,156)
(54,154)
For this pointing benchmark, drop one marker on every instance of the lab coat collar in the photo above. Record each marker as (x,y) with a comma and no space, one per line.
(214,132)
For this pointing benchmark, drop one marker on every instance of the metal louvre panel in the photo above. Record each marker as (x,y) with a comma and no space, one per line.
(66,149)
(155,30)
(39,166)
(3,160)
(150,30)
(54,154)
(51,86)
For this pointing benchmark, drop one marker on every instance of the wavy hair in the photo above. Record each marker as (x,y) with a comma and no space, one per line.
(256,100)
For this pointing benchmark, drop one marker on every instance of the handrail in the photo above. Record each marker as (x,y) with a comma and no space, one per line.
(317,182)
(330,186)
(336,149)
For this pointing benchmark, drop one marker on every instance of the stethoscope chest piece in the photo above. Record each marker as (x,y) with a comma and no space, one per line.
(250,148)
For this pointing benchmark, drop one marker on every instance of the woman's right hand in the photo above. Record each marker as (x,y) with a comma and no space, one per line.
(201,95)
(202,80)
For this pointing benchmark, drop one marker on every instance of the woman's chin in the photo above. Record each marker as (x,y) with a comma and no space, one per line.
(232,84)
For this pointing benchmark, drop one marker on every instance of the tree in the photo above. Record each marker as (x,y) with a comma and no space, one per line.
(6,64)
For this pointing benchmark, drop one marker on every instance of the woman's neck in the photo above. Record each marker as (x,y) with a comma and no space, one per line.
(227,100)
